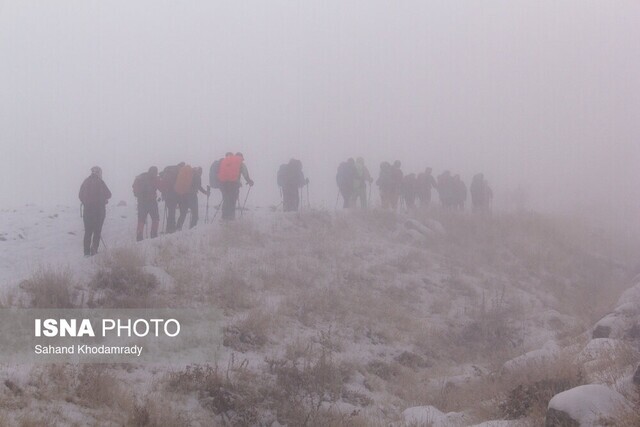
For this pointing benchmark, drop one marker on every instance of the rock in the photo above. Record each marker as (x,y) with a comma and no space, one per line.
(412,224)
(13,387)
(432,416)
(636,377)
(586,405)
(557,418)
(121,203)
(601,331)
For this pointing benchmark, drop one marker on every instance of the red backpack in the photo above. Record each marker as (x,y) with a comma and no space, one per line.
(229,170)
(183,181)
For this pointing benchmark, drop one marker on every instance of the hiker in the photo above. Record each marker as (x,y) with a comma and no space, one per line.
(424,183)
(192,198)
(396,184)
(409,191)
(345,178)
(362,177)
(145,188)
(290,180)
(445,193)
(182,189)
(231,169)
(460,192)
(481,193)
(168,179)
(384,183)
(94,196)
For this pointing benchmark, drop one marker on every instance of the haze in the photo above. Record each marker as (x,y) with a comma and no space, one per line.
(539,95)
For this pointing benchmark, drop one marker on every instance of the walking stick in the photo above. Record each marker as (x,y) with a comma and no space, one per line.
(245,200)
(337,198)
(217,210)
(81,206)
(164,216)
(104,244)
(308,200)
(369,197)
(206,216)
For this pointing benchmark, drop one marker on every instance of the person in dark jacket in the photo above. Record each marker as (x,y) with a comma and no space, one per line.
(345,178)
(409,190)
(362,178)
(481,193)
(396,184)
(94,195)
(459,189)
(425,182)
(168,179)
(291,179)
(145,189)
(192,198)
(385,184)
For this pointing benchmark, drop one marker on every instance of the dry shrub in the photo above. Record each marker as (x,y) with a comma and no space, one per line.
(230,292)
(304,385)
(96,385)
(526,391)
(121,281)
(157,412)
(234,395)
(49,287)
(250,333)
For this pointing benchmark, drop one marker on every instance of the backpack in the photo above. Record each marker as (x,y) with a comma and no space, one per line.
(139,185)
(183,181)
(213,174)
(229,170)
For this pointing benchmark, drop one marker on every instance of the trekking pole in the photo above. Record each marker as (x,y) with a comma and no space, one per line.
(308,200)
(164,216)
(245,201)
(104,244)
(206,216)
(369,197)
(81,215)
(337,198)
(217,210)
(281,199)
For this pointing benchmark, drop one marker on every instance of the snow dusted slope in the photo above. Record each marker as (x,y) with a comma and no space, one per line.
(343,318)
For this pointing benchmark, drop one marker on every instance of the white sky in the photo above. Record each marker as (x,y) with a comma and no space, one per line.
(543,94)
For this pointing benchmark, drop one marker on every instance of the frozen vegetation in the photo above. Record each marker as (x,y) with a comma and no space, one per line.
(350,318)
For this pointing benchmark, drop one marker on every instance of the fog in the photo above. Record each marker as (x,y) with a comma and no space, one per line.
(538,95)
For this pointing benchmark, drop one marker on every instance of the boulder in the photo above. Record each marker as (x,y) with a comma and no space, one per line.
(586,405)
(636,377)
(432,416)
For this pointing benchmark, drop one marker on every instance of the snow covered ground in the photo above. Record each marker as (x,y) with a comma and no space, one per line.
(347,318)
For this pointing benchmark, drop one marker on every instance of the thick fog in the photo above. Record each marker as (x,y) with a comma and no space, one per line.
(542,96)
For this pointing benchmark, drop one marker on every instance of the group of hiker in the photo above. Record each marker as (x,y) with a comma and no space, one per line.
(179,185)
(396,187)
(352,179)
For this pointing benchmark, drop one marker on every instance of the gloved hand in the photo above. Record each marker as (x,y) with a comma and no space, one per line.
(306,181)
(250,182)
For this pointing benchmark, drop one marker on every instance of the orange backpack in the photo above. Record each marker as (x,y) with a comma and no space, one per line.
(183,181)
(229,170)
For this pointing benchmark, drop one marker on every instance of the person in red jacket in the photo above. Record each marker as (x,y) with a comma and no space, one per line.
(231,168)
(94,195)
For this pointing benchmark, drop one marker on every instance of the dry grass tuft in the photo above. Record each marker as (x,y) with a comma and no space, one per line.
(51,288)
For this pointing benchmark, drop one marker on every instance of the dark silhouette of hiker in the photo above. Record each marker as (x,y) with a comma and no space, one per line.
(94,195)
(231,169)
(145,189)
(345,178)
(168,179)
(291,179)
(425,183)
